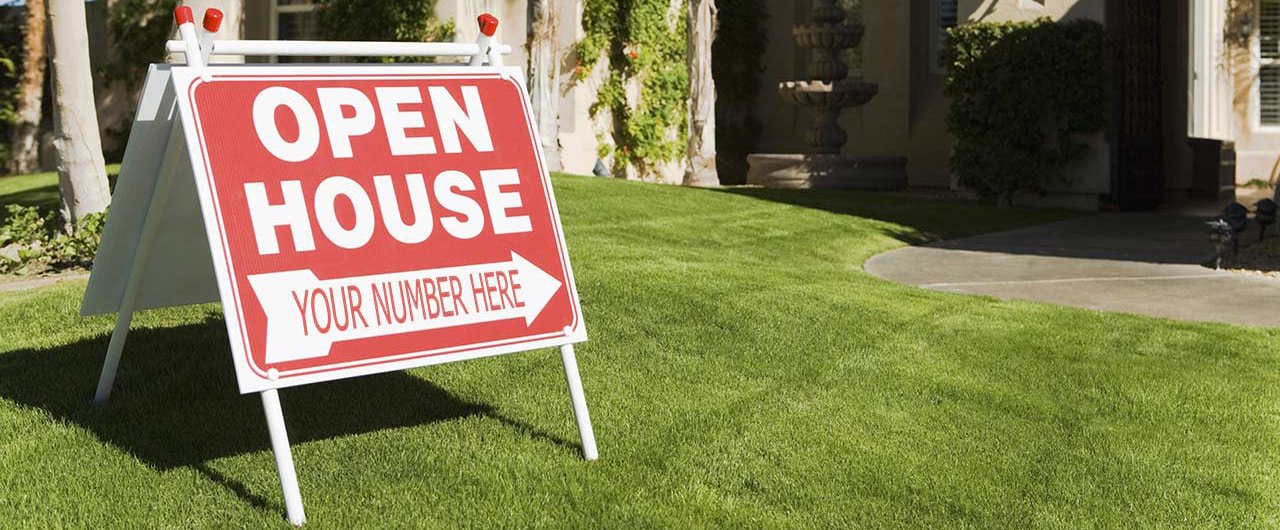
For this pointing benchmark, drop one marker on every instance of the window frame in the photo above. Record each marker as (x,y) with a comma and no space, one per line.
(273,21)
(937,44)
(1258,63)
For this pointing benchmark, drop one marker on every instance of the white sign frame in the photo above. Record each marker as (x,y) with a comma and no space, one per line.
(186,79)
(142,262)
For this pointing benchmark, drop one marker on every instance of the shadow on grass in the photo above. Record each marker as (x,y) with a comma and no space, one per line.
(932,219)
(45,198)
(176,403)
(1163,238)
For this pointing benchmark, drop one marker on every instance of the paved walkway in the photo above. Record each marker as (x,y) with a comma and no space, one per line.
(1149,264)
(20,283)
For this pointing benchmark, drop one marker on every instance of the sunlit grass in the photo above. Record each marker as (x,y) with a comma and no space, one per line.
(743,371)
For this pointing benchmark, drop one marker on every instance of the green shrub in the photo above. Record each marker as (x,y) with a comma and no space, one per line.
(1022,95)
(23,225)
(384,20)
(41,246)
(139,29)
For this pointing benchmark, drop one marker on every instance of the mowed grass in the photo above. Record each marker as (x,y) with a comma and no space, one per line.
(36,189)
(743,371)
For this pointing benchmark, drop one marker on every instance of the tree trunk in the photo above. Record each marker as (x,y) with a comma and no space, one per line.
(544,77)
(82,177)
(26,129)
(701,170)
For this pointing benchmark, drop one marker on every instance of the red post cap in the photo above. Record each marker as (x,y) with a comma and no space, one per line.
(488,24)
(183,15)
(212,19)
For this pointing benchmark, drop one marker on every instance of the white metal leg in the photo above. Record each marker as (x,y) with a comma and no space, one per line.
(118,335)
(284,457)
(579,402)
(133,282)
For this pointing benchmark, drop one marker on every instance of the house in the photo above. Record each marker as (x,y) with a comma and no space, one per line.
(1196,85)
(1193,80)
(1195,96)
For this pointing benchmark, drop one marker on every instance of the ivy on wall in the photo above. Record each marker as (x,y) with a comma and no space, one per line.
(645,44)
(1022,95)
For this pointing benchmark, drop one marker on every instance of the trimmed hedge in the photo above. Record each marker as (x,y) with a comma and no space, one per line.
(1022,94)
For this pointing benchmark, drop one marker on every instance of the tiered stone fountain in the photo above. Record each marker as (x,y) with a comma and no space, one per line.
(828,91)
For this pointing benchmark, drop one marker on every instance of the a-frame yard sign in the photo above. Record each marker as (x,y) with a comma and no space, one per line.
(352,219)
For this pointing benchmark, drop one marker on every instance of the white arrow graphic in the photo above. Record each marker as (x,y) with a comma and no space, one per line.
(306,315)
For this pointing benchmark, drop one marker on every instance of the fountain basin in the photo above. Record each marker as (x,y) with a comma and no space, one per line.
(821,171)
(828,36)
(828,93)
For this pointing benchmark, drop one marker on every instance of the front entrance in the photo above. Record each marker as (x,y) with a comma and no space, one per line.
(1138,166)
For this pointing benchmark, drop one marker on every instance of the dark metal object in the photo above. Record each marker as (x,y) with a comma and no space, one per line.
(1220,233)
(1265,213)
(1237,217)
(600,170)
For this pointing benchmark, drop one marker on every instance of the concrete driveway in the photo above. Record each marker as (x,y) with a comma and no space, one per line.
(1148,264)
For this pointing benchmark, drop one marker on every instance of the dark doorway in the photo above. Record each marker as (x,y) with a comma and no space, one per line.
(1138,177)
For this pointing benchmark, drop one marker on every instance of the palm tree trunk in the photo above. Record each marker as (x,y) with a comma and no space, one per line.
(701,169)
(544,77)
(26,129)
(82,177)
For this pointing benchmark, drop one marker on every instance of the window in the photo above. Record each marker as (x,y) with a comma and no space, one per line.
(295,20)
(944,17)
(1269,62)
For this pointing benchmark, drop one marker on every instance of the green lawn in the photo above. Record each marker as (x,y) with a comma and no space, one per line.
(37,189)
(743,371)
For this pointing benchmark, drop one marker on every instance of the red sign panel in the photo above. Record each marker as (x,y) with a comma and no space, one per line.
(365,219)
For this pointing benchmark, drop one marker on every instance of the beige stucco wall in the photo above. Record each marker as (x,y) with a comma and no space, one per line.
(1020,10)
(883,127)
(1257,150)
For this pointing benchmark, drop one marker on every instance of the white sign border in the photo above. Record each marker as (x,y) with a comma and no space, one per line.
(249,378)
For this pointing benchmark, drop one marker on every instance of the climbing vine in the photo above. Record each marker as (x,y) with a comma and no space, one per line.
(644,44)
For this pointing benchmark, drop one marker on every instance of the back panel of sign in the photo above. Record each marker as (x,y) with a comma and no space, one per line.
(178,268)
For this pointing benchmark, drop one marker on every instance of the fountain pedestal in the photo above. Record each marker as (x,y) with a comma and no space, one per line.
(824,171)
(828,92)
